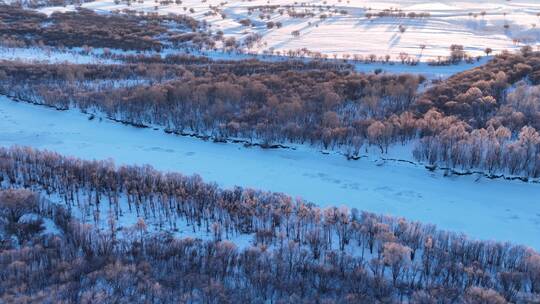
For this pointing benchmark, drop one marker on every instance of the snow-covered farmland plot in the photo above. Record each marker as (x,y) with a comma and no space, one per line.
(481,208)
(347,28)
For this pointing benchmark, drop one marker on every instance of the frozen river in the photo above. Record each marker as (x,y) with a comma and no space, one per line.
(483,209)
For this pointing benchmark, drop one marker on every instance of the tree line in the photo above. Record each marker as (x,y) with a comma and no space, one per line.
(300,252)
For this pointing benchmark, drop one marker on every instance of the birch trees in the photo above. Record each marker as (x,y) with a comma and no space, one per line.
(300,251)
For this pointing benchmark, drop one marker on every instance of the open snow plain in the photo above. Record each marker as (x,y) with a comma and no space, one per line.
(355,27)
(481,208)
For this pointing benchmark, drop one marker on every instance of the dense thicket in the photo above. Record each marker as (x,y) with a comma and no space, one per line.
(250,99)
(301,253)
(86,28)
(32,74)
(497,117)
(477,95)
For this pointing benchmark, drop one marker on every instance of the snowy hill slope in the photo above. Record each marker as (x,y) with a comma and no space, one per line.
(346,28)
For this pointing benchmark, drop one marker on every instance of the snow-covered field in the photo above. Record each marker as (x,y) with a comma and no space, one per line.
(346,28)
(481,208)
(50,55)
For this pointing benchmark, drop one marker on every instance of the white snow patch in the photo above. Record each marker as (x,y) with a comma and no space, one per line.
(50,55)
